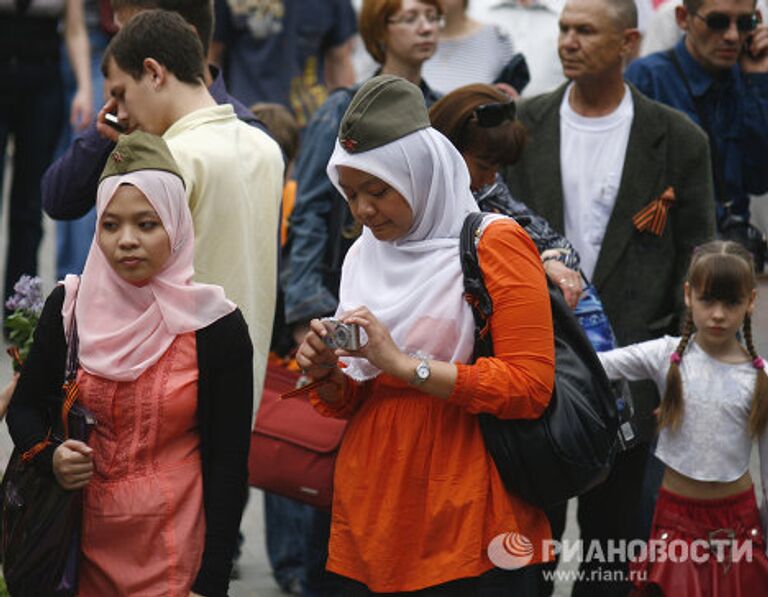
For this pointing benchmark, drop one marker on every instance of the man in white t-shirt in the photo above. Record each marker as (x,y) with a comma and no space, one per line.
(627,181)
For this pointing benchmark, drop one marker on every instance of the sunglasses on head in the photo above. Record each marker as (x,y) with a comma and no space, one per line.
(490,115)
(717,21)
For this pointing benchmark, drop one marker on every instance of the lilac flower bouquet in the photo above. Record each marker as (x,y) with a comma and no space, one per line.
(26,304)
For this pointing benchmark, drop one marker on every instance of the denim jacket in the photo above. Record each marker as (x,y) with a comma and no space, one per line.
(321,226)
(497,198)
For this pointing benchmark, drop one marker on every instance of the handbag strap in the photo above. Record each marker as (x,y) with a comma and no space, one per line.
(73,349)
(70,388)
(475,292)
(70,391)
(717,163)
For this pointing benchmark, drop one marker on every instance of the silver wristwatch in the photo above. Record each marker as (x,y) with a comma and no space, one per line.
(422,372)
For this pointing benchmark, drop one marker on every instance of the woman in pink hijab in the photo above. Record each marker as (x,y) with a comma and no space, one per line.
(165,368)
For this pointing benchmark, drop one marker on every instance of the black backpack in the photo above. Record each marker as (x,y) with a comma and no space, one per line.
(570,448)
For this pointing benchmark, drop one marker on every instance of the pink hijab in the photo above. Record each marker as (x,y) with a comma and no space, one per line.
(125,329)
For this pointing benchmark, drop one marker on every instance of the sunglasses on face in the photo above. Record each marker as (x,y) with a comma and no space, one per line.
(490,115)
(717,21)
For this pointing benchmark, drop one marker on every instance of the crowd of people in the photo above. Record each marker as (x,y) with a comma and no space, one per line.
(243,178)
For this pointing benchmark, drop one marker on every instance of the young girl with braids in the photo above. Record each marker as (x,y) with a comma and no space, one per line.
(715,403)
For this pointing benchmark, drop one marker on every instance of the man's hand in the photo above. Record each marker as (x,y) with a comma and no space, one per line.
(754,58)
(102,127)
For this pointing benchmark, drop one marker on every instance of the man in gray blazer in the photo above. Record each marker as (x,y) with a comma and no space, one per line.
(628,181)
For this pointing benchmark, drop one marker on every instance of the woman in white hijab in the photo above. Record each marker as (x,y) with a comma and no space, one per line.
(418,502)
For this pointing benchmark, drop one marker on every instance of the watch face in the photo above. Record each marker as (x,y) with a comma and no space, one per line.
(422,371)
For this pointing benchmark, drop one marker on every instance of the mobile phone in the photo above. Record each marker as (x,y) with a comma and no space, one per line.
(112,121)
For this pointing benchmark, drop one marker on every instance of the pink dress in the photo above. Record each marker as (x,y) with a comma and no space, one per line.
(143,519)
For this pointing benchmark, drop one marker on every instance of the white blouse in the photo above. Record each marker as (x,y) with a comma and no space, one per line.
(713,441)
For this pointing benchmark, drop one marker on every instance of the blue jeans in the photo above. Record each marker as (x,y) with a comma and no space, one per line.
(31,112)
(73,238)
(297,545)
(286,523)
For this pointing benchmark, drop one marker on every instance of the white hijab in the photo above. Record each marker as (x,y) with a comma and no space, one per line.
(414,284)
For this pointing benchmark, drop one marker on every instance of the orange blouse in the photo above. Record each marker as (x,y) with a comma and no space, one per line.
(417,498)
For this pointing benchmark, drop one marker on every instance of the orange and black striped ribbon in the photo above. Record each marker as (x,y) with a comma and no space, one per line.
(71,394)
(653,217)
(36,449)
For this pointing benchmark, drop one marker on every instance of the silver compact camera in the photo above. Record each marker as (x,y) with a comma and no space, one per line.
(345,336)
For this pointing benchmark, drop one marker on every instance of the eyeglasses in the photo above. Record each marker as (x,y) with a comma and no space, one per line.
(412,19)
(490,115)
(717,21)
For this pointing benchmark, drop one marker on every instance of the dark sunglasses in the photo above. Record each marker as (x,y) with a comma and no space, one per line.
(490,115)
(717,21)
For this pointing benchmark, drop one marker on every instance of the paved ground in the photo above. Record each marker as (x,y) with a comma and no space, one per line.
(256,579)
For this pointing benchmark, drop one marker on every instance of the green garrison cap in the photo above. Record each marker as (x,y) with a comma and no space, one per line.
(384,109)
(140,151)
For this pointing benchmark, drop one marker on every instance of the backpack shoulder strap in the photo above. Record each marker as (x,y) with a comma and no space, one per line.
(475,292)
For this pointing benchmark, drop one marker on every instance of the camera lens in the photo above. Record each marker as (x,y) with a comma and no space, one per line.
(341,336)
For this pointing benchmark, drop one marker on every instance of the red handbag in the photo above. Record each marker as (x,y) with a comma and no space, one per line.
(293,448)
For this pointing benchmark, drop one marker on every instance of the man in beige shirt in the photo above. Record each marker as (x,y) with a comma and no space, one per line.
(233,172)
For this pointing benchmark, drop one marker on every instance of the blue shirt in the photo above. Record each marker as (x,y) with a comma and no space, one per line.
(735,105)
(274,50)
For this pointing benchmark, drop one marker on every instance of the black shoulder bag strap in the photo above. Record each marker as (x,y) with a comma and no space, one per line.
(69,395)
(717,165)
(73,346)
(475,292)
(70,389)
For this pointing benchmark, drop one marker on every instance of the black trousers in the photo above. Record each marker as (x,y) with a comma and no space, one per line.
(32,112)
(610,511)
(494,583)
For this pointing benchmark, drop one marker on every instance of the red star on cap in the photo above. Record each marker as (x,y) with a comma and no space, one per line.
(348,144)
(117,156)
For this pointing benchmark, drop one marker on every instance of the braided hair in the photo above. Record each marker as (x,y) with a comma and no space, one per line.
(758,415)
(721,270)
(671,409)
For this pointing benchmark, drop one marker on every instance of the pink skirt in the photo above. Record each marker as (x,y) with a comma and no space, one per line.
(703,548)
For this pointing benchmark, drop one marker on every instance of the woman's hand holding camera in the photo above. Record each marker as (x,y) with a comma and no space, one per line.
(318,359)
(314,356)
(380,350)
(73,464)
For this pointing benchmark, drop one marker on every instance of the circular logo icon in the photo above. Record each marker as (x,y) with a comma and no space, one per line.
(510,551)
